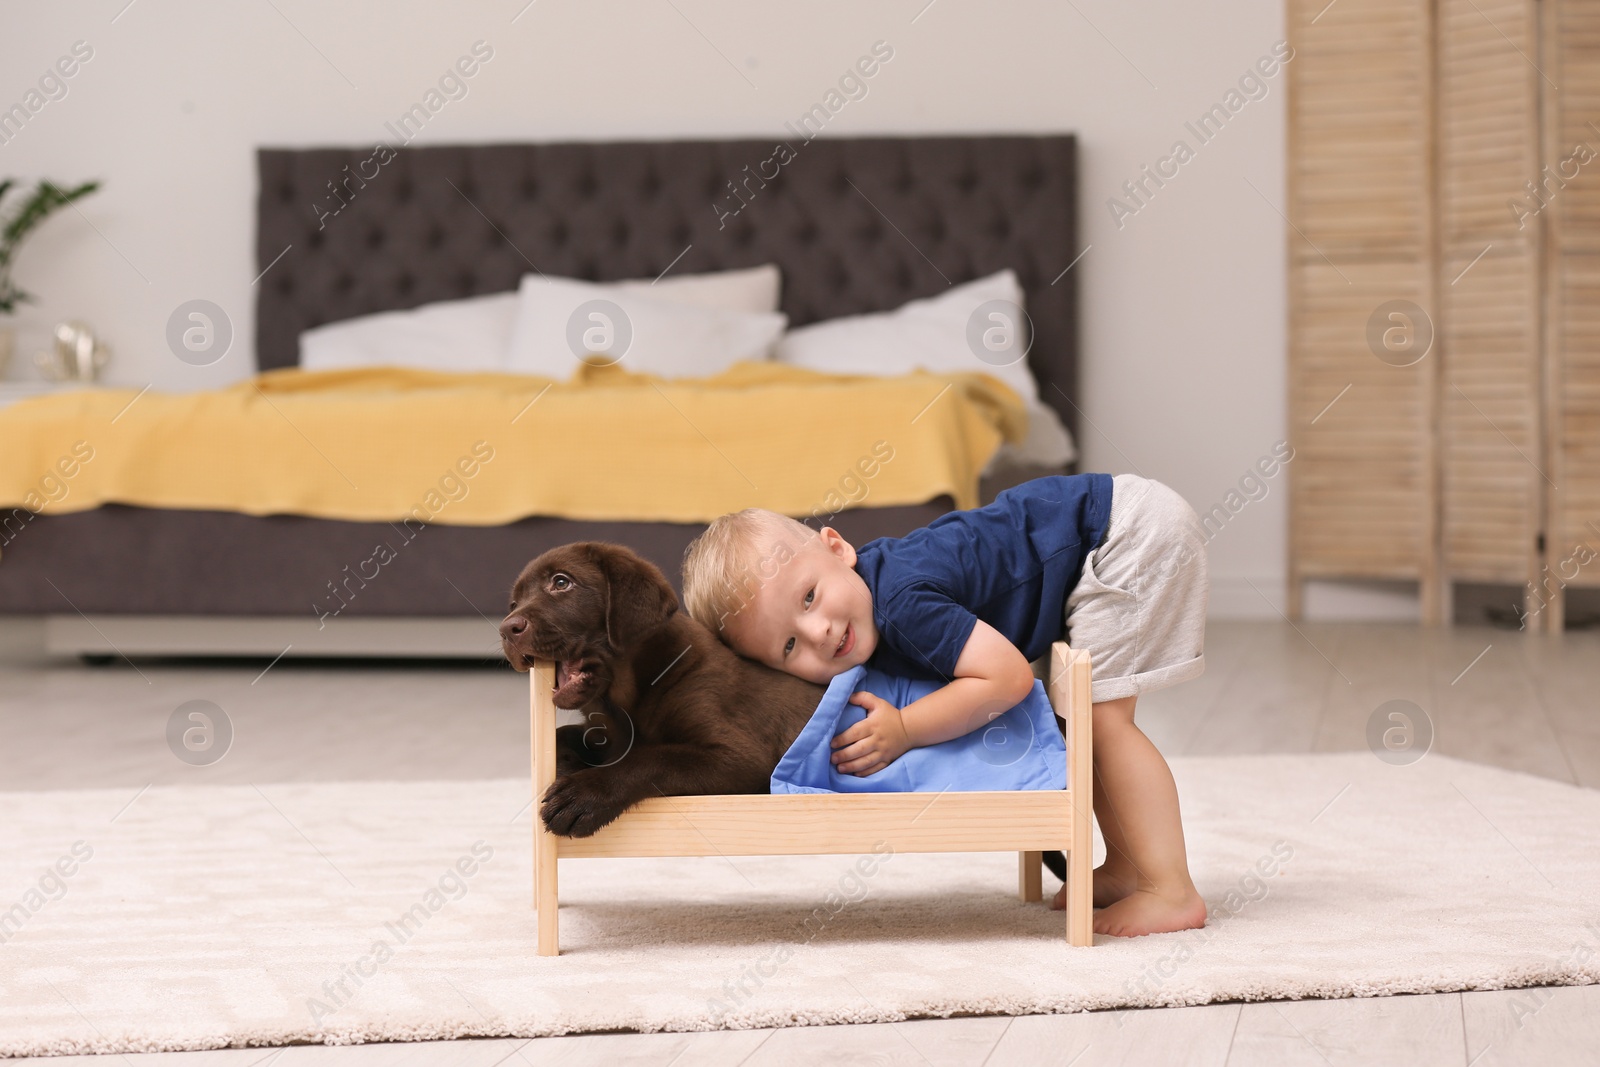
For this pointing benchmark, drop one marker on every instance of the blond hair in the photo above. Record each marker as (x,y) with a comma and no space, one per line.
(739,552)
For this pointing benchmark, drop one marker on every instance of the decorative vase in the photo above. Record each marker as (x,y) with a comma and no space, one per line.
(78,354)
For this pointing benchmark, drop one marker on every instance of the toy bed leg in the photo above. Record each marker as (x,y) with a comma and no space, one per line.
(1070,695)
(1030,882)
(543,726)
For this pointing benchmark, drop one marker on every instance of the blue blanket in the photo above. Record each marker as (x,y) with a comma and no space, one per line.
(1021,749)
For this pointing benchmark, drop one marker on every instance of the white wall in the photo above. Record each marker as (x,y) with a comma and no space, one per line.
(1183,305)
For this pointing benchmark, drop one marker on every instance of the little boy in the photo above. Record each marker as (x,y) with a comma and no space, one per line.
(1114,565)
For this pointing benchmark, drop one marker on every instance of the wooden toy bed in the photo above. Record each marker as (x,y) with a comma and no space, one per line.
(1026,821)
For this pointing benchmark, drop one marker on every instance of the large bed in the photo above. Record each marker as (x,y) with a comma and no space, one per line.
(856,225)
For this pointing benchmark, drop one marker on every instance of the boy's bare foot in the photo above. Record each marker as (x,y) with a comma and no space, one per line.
(1109,887)
(1112,885)
(1146,911)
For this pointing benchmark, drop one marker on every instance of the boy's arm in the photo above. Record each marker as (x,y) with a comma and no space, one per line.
(991,677)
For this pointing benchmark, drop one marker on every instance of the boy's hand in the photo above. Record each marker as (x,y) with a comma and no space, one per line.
(874,742)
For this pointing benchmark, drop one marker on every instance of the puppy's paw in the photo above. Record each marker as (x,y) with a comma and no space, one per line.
(571,755)
(578,804)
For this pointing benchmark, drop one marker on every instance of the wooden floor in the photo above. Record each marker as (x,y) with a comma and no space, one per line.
(1521,701)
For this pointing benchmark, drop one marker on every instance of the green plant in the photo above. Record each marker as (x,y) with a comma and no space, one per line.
(35,209)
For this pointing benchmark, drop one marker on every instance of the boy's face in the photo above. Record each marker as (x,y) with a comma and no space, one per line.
(813,619)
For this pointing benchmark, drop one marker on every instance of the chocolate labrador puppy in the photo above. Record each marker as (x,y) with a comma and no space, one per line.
(669,710)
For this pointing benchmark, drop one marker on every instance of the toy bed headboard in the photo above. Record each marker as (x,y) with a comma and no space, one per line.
(855,224)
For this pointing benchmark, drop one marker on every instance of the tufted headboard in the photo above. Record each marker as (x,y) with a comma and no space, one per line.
(855,224)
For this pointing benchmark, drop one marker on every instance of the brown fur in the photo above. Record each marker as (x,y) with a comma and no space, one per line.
(669,710)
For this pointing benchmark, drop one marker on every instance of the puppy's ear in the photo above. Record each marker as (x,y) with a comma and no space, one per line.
(638,596)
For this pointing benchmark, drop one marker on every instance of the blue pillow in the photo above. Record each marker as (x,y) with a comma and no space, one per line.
(1021,749)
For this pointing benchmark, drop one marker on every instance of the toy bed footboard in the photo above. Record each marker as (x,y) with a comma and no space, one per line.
(763,824)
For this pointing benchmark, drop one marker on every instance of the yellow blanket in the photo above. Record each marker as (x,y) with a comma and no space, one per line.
(386,443)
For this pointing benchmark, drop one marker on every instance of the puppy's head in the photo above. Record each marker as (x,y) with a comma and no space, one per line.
(584,605)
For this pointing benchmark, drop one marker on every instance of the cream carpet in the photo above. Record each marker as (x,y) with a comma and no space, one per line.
(199,917)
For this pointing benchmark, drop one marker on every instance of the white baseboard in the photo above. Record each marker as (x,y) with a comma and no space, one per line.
(1353,601)
(21,637)
(1232,597)
(200,635)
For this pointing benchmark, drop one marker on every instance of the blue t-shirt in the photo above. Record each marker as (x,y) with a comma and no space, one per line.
(1010,563)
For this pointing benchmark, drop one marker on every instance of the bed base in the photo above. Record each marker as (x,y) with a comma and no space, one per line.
(1028,822)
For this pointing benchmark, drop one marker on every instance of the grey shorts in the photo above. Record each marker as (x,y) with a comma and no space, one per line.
(1140,606)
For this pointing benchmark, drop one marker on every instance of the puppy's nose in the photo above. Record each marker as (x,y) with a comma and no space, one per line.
(512,626)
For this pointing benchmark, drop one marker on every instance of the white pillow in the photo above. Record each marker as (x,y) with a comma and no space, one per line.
(560,320)
(1048,444)
(752,289)
(455,335)
(475,334)
(932,334)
